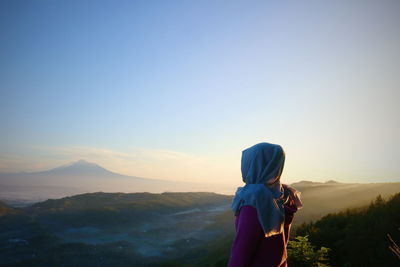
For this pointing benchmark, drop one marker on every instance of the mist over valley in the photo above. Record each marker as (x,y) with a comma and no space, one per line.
(44,220)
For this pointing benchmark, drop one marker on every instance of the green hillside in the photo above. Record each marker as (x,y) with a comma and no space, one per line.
(358,237)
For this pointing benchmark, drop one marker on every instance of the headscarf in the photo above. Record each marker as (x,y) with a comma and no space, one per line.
(262,166)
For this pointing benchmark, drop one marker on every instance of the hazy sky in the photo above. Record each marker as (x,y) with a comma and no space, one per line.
(177,89)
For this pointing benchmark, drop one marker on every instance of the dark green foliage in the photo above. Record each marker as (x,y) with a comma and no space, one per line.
(303,254)
(358,237)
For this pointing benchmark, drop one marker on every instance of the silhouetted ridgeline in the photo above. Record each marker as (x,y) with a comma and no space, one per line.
(320,199)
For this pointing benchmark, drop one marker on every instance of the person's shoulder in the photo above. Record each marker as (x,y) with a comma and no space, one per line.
(290,205)
(293,201)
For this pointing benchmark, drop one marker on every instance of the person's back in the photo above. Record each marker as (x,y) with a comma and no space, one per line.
(264,209)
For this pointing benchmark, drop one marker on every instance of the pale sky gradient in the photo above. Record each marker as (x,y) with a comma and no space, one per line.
(177,89)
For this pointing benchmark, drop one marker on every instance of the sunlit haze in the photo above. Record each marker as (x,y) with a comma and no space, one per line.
(176,90)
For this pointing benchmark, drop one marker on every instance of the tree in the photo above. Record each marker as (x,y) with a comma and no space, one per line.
(302,253)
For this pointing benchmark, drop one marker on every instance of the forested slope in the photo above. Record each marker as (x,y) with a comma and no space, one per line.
(358,237)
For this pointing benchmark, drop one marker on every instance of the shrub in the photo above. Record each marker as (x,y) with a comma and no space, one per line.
(302,253)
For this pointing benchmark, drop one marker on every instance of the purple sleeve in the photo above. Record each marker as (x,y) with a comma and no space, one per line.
(248,234)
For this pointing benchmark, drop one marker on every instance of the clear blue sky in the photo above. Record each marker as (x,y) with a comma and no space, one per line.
(177,89)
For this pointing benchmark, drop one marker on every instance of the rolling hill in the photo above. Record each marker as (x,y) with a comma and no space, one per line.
(136,229)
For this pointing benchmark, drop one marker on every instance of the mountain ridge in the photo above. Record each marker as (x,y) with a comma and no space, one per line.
(74,167)
(86,177)
(79,166)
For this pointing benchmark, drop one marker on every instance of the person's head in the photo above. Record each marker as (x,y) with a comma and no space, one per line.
(262,164)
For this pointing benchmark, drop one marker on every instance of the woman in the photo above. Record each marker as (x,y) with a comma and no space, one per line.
(264,209)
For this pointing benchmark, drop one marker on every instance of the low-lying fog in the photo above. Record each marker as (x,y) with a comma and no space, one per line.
(161,235)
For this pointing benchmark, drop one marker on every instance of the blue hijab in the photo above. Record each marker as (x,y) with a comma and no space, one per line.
(262,166)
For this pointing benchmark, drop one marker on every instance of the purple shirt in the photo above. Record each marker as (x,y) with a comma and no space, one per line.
(251,248)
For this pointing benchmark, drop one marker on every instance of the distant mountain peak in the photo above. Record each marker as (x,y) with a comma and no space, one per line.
(80,167)
(82,162)
(332,182)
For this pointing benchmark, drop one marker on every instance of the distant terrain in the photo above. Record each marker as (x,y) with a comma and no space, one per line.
(110,229)
(45,221)
(24,188)
(140,229)
(322,198)
(353,237)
